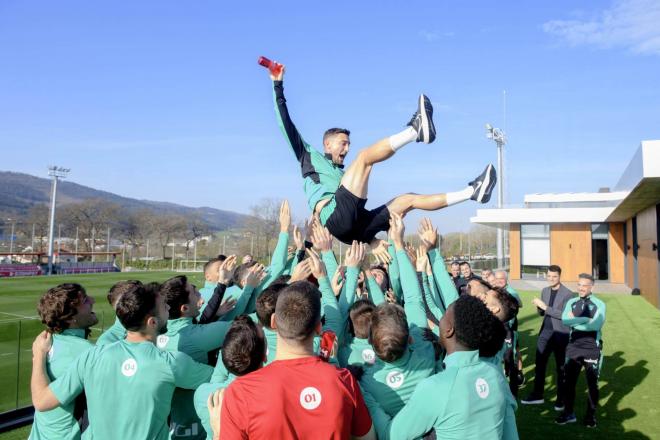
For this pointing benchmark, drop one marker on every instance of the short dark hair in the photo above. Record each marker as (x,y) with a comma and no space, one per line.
(335,131)
(209,264)
(455,263)
(244,348)
(119,288)
(481,282)
(492,338)
(59,305)
(266,303)
(389,332)
(298,311)
(508,302)
(176,294)
(586,276)
(472,322)
(384,270)
(360,317)
(135,305)
(555,268)
(241,271)
(465,263)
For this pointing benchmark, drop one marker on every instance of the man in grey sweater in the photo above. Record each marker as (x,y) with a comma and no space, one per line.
(553,337)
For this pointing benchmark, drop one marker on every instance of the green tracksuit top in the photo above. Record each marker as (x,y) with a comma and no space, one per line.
(221,378)
(392,383)
(470,399)
(114,333)
(447,288)
(329,310)
(320,175)
(358,353)
(129,388)
(588,315)
(196,340)
(60,423)
(207,293)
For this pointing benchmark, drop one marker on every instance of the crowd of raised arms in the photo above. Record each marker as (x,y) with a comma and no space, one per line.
(303,349)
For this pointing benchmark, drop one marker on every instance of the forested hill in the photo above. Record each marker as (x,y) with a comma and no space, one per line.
(19,192)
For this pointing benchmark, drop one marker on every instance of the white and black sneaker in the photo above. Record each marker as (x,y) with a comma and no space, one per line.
(484,184)
(422,121)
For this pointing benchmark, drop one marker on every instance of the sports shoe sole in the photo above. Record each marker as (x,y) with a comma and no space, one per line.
(573,420)
(533,402)
(427,124)
(559,408)
(487,185)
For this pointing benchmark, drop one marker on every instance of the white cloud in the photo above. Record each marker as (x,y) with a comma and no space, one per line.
(630,24)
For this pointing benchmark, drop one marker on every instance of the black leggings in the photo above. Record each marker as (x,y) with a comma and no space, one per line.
(591,363)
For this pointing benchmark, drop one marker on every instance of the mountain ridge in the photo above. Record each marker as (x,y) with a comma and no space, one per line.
(20,191)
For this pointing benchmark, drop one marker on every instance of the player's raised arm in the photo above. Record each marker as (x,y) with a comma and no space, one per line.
(296,142)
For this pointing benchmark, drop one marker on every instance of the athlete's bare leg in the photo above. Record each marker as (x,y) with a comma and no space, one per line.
(426,202)
(356,178)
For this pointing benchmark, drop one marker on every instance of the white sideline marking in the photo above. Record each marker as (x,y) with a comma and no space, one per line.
(19,316)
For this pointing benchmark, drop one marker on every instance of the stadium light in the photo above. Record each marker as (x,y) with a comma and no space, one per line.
(499,137)
(55,173)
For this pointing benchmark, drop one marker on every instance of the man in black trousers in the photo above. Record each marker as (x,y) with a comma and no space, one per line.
(553,337)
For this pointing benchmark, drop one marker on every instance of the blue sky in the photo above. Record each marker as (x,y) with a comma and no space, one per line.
(163,100)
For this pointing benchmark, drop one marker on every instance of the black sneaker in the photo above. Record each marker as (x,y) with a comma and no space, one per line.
(590,422)
(565,418)
(532,399)
(422,121)
(521,379)
(484,184)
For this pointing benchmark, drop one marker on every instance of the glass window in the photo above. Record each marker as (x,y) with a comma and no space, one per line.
(535,231)
(535,245)
(599,231)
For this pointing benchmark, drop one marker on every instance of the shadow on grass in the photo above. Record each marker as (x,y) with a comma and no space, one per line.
(616,381)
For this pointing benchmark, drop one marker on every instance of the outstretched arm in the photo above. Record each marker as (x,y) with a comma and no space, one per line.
(296,142)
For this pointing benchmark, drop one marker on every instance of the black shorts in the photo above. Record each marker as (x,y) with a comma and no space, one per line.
(350,221)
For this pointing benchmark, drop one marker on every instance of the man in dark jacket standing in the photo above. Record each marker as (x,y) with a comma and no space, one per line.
(553,337)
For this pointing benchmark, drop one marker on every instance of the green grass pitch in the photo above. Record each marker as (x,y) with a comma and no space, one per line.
(629,383)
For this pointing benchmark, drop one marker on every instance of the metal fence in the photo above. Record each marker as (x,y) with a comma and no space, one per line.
(16,337)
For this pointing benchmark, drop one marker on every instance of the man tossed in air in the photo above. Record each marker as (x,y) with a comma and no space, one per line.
(338,197)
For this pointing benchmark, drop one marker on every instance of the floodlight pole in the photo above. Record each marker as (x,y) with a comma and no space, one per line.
(11,240)
(55,173)
(499,137)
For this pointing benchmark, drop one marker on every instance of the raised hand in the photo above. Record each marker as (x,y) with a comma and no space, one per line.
(379,250)
(226,270)
(422,259)
(298,238)
(301,272)
(280,74)
(335,283)
(285,216)
(227,306)
(255,275)
(321,238)
(355,254)
(315,264)
(428,235)
(412,254)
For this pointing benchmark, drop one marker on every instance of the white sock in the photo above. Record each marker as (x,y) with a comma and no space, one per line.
(459,196)
(405,137)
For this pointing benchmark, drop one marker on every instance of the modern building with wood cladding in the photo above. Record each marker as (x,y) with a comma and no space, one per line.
(612,234)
